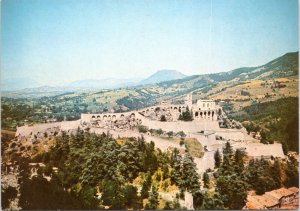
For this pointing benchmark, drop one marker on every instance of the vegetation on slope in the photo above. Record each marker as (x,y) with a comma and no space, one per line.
(91,165)
(276,120)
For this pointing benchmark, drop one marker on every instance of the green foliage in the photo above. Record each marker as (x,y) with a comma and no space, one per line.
(231,180)
(143,129)
(292,173)
(233,189)
(181,134)
(198,198)
(205,180)
(181,142)
(163,118)
(87,161)
(277,120)
(38,193)
(152,200)
(214,202)
(217,157)
(186,115)
(170,133)
(167,206)
(263,176)
(184,173)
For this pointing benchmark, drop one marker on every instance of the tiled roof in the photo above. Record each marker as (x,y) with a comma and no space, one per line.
(294,190)
(283,192)
(273,195)
(254,206)
(263,200)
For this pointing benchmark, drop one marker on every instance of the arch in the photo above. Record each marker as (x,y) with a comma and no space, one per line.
(204,113)
(201,114)
(175,108)
(132,115)
(114,117)
(196,114)
(104,117)
(98,117)
(93,117)
(212,113)
(122,115)
(208,113)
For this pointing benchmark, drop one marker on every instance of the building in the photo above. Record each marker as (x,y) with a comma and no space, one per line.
(281,198)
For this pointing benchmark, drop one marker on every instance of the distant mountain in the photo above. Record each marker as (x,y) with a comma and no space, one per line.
(109,83)
(162,75)
(170,82)
(18,84)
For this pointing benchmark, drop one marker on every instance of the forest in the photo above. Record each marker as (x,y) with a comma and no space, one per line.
(276,121)
(89,171)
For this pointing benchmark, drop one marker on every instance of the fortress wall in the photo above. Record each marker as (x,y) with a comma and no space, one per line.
(233,135)
(160,143)
(257,150)
(187,127)
(25,131)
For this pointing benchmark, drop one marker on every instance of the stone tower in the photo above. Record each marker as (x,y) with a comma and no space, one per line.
(189,100)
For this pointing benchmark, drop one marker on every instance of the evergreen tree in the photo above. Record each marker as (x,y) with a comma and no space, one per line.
(189,175)
(198,198)
(167,206)
(163,118)
(239,156)
(152,200)
(213,203)
(292,173)
(186,115)
(233,190)
(276,173)
(217,158)
(145,190)
(205,180)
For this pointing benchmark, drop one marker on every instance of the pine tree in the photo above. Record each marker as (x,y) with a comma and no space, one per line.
(205,180)
(152,200)
(217,157)
(145,190)
(190,177)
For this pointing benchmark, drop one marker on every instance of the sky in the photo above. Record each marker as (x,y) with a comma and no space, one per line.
(58,41)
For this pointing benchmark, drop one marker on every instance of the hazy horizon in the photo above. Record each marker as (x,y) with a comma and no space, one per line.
(57,42)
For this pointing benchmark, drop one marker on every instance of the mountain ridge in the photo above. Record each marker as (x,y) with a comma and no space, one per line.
(283,66)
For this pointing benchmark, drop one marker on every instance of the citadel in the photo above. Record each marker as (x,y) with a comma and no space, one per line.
(209,125)
(205,113)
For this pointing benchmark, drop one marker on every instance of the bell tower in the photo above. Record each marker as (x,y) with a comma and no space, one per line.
(188,100)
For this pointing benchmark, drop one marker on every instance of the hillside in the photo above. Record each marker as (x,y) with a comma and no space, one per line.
(278,120)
